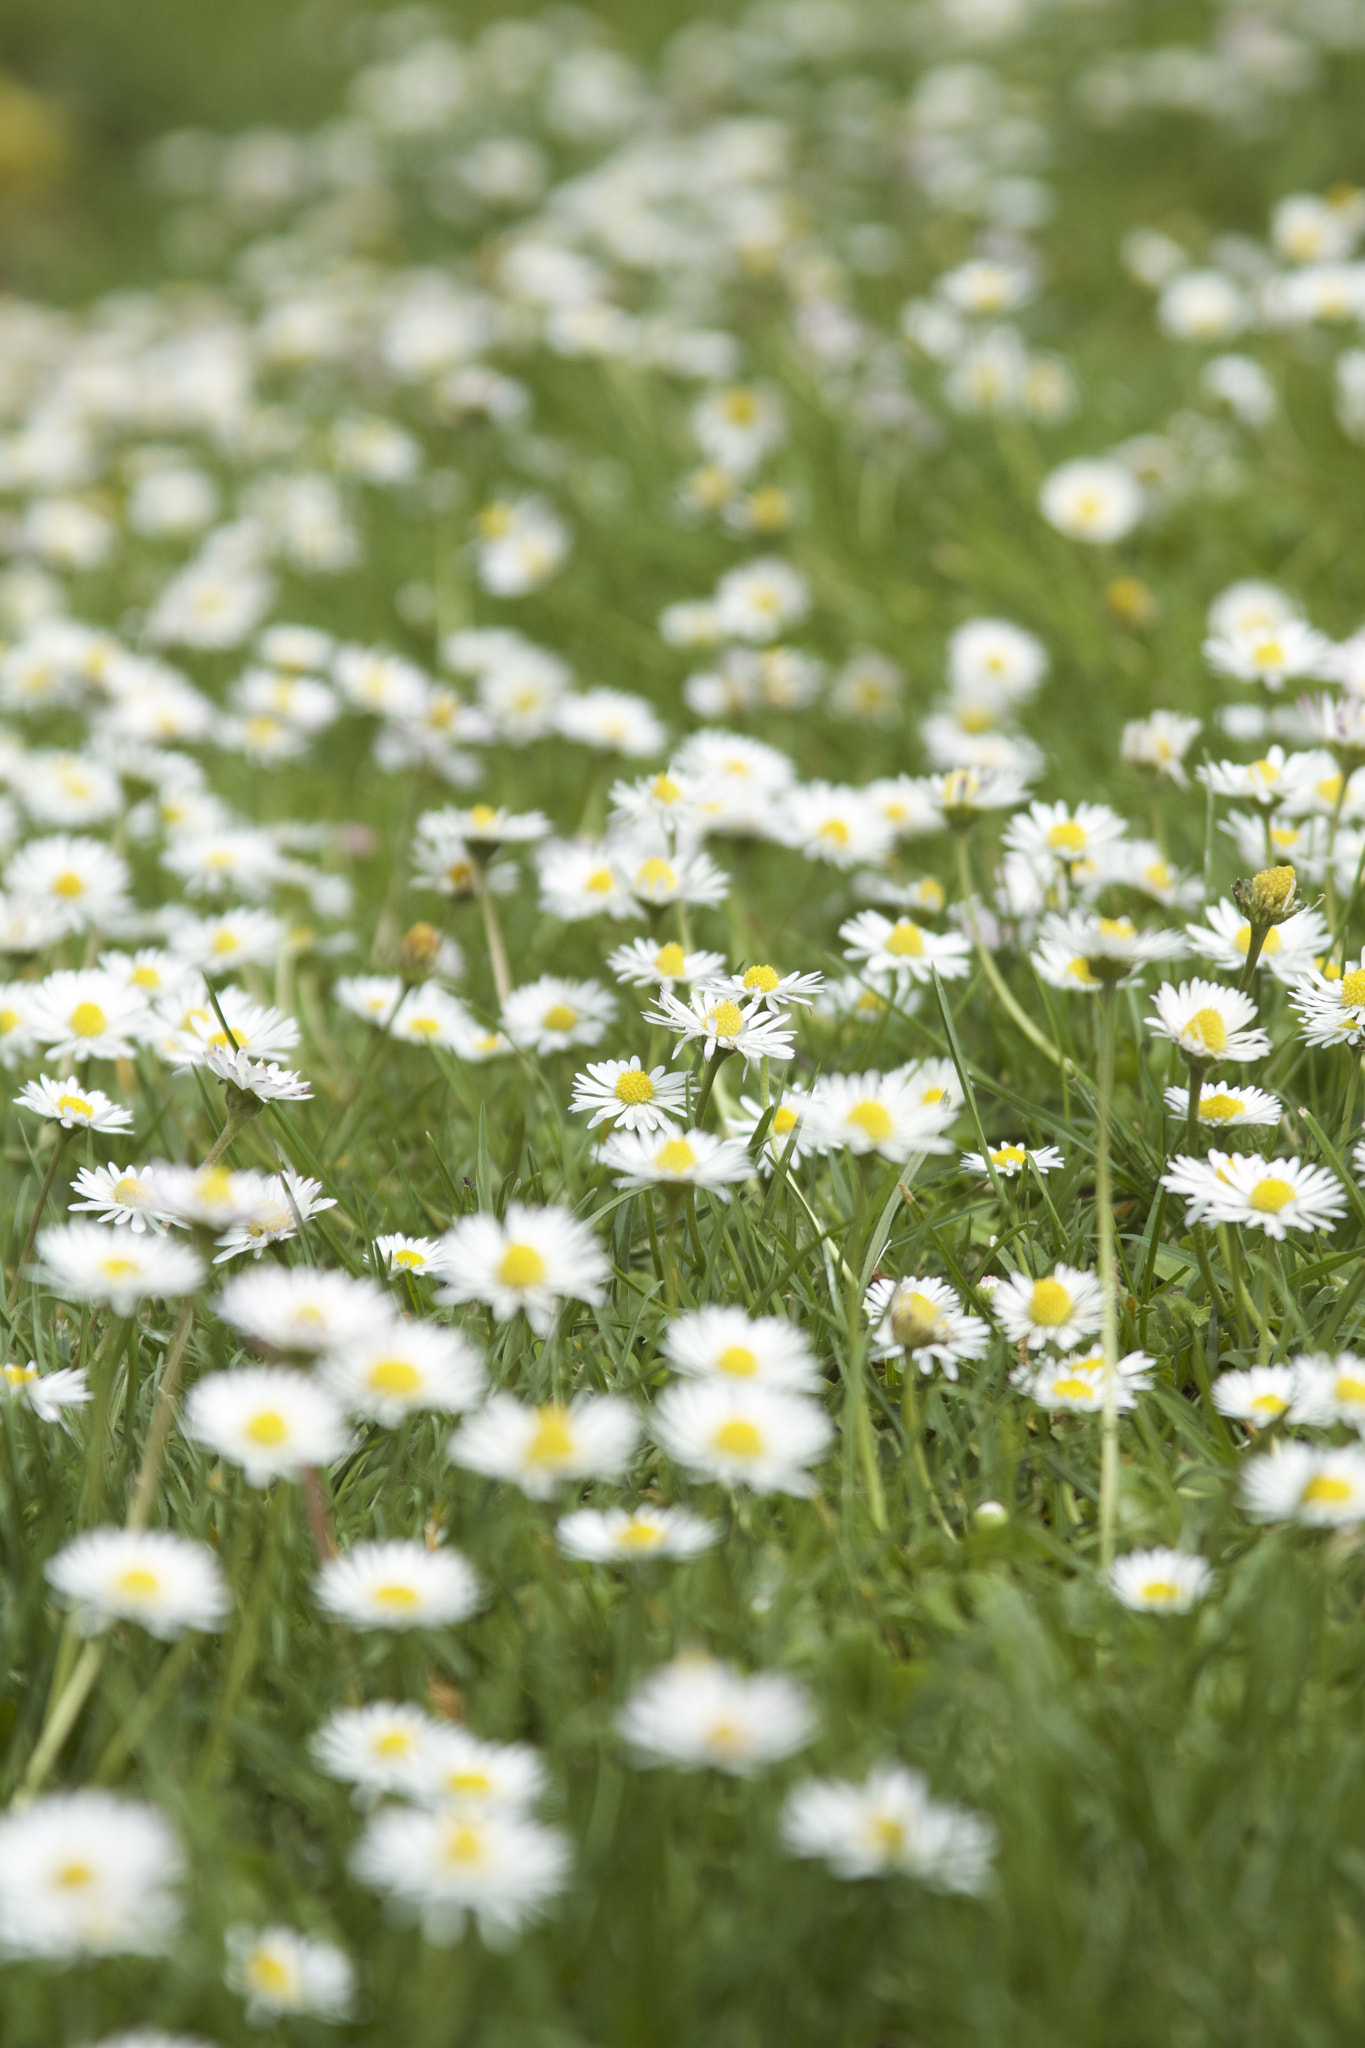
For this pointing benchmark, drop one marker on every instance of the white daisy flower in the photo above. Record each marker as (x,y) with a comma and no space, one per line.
(591,1437)
(1209,1022)
(430,1015)
(1078,1383)
(644,963)
(304,1310)
(994,655)
(872,1112)
(889,1825)
(86,1014)
(278,1970)
(502,1868)
(786,1110)
(837,824)
(270,1421)
(1296,1482)
(726,1343)
(99,1263)
(578,882)
(117,1194)
(531,1261)
(486,826)
(1159,743)
(743,1433)
(420,1256)
(265,1079)
(904,948)
(1269,654)
(373,997)
(398,1585)
(1273,1195)
(1010,1159)
(658,876)
(88,1874)
(164,1582)
(671,1157)
(287,1202)
(774,991)
(1259,782)
(1110,948)
(618,1536)
(1332,1012)
(718,1023)
(1228,1106)
(760,600)
(255,1028)
(626,1095)
(518,544)
(454,1767)
(1160,1581)
(1289,950)
(1092,499)
(552,1015)
(1056,835)
(375,1747)
(924,1317)
(1258,1395)
(1061,1307)
(699,1713)
(1328,1390)
(82,884)
(73,1106)
(48,1394)
(404,1368)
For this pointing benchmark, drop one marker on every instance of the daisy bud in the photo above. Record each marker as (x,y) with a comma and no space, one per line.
(1268,898)
(417,950)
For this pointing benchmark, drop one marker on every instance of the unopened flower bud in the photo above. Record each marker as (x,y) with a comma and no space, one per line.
(915,1321)
(418,949)
(1268,898)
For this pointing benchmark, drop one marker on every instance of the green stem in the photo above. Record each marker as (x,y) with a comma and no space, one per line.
(992,973)
(102,1374)
(497,952)
(61,1719)
(58,1153)
(167,1387)
(1109,1438)
(708,1082)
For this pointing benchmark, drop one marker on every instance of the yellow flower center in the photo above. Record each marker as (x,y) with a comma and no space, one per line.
(676,1156)
(467,1782)
(1268,1404)
(481,817)
(559,1017)
(600,882)
(8,1020)
(1073,1388)
(670,960)
(738,1439)
(888,1835)
(1079,970)
(397,1596)
(1068,837)
(905,939)
(462,1843)
(738,1360)
(1270,944)
(916,1320)
(118,1268)
(138,1583)
(1160,1592)
(1050,1304)
(634,1086)
(1206,1032)
(394,1376)
(73,1877)
(409,1259)
(553,1440)
(1353,988)
(664,789)
(88,1020)
(397,1742)
(522,1266)
(1347,1389)
(267,1428)
(872,1118)
(68,884)
(1325,1491)
(1264,771)
(1270,1196)
(214,1185)
(1009,1155)
(75,1105)
(424,1027)
(639,1534)
(1220,1109)
(835,830)
(726,1020)
(764,979)
(784,1122)
(655,875)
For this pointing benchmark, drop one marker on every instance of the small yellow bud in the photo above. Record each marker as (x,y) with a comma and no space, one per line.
(1268,898)
(418,949)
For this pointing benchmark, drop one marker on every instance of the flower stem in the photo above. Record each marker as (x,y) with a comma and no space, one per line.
(708,1082)
(992,973)
(150,1469)
(497,952)
(61,1719)
(1109,1439)
(64,1137)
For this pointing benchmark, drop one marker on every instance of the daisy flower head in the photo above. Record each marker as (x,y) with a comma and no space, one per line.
(1093,499)
(760,600)
(719,1024)
(430,1015)
(164,1582)
(87,1874)
(725,1342)
(251,1027)
(628,1096)
(743,1433)
(873,1112)
(541,1448)
(530,1261)
(487,826)
(1078,1384)
(1269,654)
(267,1419)
(1056,836)
(699,1713)
(518,544)
(995,656)
(403,1369)
(212,1197)
(1010,1159)
(1332,1012)
(622,1536)
(372,997)
(671,1157)
(1328,1390)
(277,1970)
(1101,950)
(398,1585)
(419,1256)
(456,1768)
(266,1080)
(552,1015)
(644,963)
(375,1748)
(767,986)
(498,1866)
(303,1310)
(1159,743)
(74,1106)
(1259,782)
(836,823)
(81,884)
(1290,949)
(119,1267)
(579,882)
(1160,1581)
(1208,1022)
(904,948)
(87,1014)
(1228,1105)
(924,1317)
(1273,1195)
(785,1139)
(1296,1482)
(124,1195)
(889,1825)
(658,876)
(47,1394)
(1060,1308)
(1258,1395)
(287,1202)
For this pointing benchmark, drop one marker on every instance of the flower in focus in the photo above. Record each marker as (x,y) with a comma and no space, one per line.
(73,1106)
(1060,1307)
(1273,1195)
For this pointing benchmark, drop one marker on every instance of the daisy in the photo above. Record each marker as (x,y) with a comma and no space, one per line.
(903,948)
(499,1866)
(252,1027)
(81,883)
(88,1874)
(1289,950)
(373,997)
(613,721)
(1332,1012)
(625,1095)
(270,1421)
(925,1317)
(86,1014)
(1160,1581)
(531,1261)
(1060,1308)
(487,826)
(743,1432)
(429,1015)
(375,1748)
(117,1267)
(1209,1022)
(164,1582)
(727,1343)
(118,1195)
(1269,654)
(760,600)
(1093,500)
(836,824)
(266,1080)
(1258,782)
(1009,1160)
(518,544)
(1049,834)
(785,1139)
(538,1449)
(874,1113)
(404,1368)
(698,1713)
(658,876)
(1079,1383)
(1227,1105)
(1328,1390)
(996,656)
(644,963)
(278,1970)
(671,1157)
(288,1201)
(1257,1396)
(551,1015)
(1273,1195)
(1159,744)
(454,1767)
(615,1536)
(1295,1482)
(719,1024)
(211,1197)
(420,1256)
(888,1825)
(47,1394)
(73,1106)
(304,1311)
(398,1585)
(1112,949)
